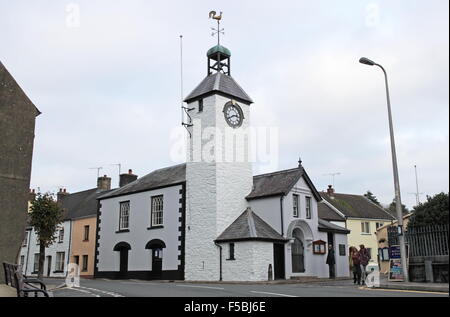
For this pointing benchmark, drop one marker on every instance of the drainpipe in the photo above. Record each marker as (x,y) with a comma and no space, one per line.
(28,250)
(281,214)
(220,260)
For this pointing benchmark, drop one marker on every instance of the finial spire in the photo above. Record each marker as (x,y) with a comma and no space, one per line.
(218,31)
(299,162)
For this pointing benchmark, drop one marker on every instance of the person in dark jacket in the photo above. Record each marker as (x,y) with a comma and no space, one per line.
(356,265)
(331,261)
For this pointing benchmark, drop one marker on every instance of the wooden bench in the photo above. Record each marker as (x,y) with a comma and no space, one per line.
(23,284)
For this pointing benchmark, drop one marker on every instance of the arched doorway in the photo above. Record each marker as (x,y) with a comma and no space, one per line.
(298,252)
(157,247)
(123,248)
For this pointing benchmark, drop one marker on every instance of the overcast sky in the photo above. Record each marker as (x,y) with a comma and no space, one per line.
(109,88)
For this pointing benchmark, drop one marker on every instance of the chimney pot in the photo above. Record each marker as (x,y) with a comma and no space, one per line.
(130,171)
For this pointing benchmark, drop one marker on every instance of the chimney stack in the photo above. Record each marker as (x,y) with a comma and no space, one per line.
(330,190)
(104,182)
(62,192)
(32,196)
(127,178)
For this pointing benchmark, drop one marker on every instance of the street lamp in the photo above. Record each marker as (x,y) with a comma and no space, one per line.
(398,201)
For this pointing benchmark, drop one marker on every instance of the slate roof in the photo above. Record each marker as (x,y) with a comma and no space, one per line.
(280,183)
(327,213)
(81,204)
(249,226)
(326,226)
(356,206)
(157,179)
(221,84)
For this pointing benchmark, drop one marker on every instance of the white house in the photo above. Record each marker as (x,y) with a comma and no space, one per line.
(56,255)
(210,219)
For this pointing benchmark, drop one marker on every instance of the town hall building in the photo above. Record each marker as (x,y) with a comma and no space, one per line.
(210,219)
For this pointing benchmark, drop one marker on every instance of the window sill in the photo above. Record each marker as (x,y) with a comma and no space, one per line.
(155,227)
(123,230)
(60,241)
(86,240)
(366,234)
(231,259)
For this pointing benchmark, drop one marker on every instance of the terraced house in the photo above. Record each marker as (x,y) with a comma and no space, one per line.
(356,213)
(75,236)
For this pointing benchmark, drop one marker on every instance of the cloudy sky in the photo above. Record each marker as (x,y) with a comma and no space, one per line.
(108,84)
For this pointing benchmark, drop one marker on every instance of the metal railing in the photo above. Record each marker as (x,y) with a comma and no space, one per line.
(427,240)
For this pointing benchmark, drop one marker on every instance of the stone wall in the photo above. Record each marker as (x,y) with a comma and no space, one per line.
(17,122)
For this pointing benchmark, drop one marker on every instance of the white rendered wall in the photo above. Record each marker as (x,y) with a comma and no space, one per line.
(216,187)
(139,258)
(252,260)
(342,262)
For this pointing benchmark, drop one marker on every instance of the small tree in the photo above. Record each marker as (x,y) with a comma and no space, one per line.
(434,211)
(45,216)
(370,196)
(392,209)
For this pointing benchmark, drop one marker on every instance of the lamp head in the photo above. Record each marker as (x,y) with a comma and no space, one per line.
(366,61)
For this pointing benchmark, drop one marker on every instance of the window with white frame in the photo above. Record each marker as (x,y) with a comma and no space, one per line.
(124,218)
(157,210)
(378,225)
(61,235)
(60,261)
(295,212)
(36,262)
(365,227)
(308,207)
(22,260)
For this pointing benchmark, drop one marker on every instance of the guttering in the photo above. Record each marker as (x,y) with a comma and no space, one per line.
(220,260)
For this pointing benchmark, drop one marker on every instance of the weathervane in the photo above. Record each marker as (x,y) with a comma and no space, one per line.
(218,31)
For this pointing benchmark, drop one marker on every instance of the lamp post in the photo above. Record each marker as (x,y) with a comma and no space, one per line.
(398,201)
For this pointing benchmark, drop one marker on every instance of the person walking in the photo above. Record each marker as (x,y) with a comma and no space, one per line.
(356,265)
(364,258)
(331,261)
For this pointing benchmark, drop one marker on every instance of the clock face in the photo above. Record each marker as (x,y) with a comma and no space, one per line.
(233,114)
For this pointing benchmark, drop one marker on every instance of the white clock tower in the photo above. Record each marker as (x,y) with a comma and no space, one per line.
(218,171)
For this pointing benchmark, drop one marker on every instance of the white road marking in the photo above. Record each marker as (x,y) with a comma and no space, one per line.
(195,286)
(82,291)
(277,294)
(101,291)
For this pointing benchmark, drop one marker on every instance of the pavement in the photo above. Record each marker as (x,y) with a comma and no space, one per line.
(138,288)
(412,286)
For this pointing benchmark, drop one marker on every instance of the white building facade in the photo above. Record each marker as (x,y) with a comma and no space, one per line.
(210,219)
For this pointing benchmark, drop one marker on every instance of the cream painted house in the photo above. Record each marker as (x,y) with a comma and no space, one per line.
(357,214)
